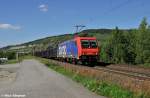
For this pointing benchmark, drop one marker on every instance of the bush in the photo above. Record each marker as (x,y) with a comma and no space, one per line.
(8,54)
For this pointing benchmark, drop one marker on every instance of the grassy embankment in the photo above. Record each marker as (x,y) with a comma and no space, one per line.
(99,87)
(13,61)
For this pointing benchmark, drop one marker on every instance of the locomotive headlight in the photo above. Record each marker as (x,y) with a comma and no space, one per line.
(95,53)
(83,53)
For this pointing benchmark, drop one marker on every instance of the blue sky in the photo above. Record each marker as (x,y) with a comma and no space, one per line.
(26,20)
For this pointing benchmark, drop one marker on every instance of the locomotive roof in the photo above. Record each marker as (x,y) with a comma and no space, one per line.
(78,38)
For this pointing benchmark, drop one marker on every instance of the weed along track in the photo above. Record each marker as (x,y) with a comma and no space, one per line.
(134,81)
(139,75)
(131,68)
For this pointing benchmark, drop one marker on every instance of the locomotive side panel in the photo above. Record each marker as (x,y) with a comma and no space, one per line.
(71,49)
(68,49)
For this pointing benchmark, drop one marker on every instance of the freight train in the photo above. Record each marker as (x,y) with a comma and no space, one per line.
(79,49)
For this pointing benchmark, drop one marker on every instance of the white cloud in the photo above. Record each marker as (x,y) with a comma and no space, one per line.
(9,26)
(43,8)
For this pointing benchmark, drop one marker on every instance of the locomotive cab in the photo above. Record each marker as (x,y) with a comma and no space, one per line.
(88,49)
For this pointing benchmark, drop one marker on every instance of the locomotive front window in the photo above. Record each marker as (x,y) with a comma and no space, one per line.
(85,43)
(88,43)
(93,44)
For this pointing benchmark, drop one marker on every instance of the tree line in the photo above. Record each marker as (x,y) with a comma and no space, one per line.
(8,54)
(128,47)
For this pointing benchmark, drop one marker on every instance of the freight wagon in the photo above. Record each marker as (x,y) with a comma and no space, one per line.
(50,53)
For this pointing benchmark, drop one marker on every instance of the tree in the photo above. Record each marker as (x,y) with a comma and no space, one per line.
(118,46)
(146,45)
(143,43)
(8,54)
(1,54)
(106,52)
(115,47)
(130,46)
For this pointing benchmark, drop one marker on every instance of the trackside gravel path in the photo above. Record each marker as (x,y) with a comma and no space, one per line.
(34,80)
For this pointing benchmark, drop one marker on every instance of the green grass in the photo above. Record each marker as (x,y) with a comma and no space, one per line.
(26,57)
(11,61)
(100,87)
(147,65)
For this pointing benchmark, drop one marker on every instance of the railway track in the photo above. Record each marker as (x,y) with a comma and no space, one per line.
(134,74)
(141,76)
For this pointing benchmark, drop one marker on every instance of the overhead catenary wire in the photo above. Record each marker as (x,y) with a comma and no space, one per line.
(112,9)
(79,28)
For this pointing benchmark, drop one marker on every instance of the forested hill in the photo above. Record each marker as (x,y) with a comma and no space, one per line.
(101,34)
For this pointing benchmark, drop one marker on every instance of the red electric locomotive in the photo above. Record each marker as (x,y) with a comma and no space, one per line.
(83,49)
(88,50)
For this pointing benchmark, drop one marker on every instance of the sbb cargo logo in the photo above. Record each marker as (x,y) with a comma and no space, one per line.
(62,51)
